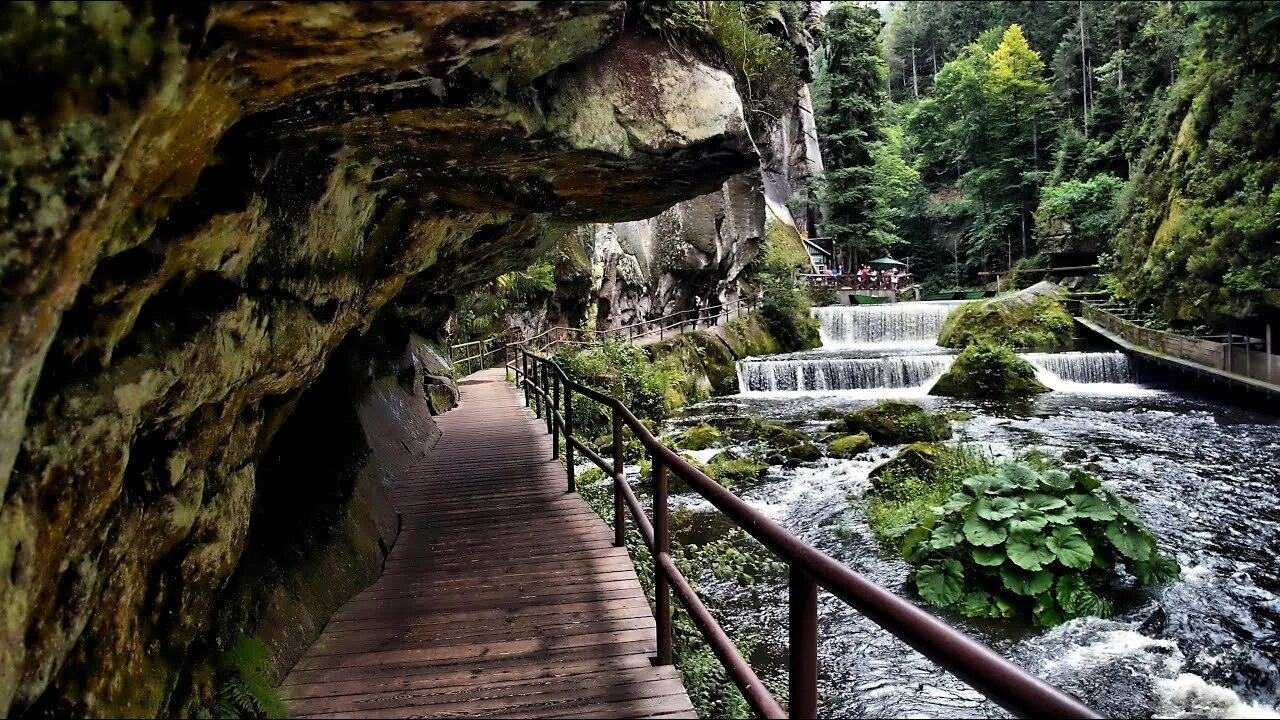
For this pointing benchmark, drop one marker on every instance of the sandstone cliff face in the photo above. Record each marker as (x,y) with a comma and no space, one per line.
(226,208)
(623,273)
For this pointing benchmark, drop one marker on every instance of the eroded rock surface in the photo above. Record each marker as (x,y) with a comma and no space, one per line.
(201,218)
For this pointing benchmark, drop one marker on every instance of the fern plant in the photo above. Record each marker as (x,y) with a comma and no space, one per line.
(242,690)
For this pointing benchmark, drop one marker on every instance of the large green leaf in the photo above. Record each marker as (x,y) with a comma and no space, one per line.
(1046,611)
(1070,547)
(1159,570)
(989,556)
(1025,583)
(976,604)
(1028,522)
(996,508)
(1092,507)
(1020,475)
(982,532)
(983,484)
(1061,516)
(945,535)
(1041,502)
(1028,550)
(1056,480)
(1121,506)
(1078,599)
(1130,540)
(941,584)
(956,503)
(915,542)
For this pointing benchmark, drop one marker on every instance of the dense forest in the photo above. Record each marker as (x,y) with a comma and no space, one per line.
(981,137)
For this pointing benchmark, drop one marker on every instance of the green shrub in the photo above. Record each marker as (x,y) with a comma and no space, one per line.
(984,370)
(621,370)
(1038,541)
(893,422)
(787,315)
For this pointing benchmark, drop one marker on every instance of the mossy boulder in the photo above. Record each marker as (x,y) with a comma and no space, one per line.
(846,446)
(829,414)
(1032,319)
(894,422)
(796,454)
(776,436)
(736,472)
(698,437)
(989,371)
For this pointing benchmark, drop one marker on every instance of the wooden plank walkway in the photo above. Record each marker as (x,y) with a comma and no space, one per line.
(502,597)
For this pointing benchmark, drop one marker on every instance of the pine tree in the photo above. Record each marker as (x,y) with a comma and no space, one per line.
(850,124)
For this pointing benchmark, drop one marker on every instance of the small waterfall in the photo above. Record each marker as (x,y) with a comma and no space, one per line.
(1065,370)
(890,324)
(913,371)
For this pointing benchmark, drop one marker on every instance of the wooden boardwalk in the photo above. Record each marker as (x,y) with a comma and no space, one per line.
(502,597)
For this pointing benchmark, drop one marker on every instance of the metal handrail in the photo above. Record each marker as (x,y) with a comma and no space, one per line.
(550,391)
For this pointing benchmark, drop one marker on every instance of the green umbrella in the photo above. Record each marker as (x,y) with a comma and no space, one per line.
(887,261)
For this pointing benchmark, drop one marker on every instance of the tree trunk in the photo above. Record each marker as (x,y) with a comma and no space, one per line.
(1084,75)
(915,80)
(1024,229)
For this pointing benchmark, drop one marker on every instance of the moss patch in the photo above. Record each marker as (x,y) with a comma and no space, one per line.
(893,423)
(988,371)
(698,437)
(919,478)
(846,446)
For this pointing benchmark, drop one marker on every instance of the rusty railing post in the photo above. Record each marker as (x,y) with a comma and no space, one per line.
(802,670)
(661,547)
(619,477)
(546,397)
(524,374)
(555,406)
(568,436)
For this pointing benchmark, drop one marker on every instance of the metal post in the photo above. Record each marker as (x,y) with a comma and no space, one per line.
(537,400)
(546,396)
(802,668)
(524,375)
(661,547)
(555,405)
(1227,354)
(568,436)
(619,477)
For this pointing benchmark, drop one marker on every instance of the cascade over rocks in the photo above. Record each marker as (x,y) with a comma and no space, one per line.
(230,221)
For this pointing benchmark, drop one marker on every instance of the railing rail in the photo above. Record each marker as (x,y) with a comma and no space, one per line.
(551,392)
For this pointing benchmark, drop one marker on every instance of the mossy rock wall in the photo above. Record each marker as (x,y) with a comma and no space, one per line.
(1031,319)
(209,203)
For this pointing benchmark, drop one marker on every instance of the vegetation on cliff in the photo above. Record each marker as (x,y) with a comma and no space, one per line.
(1144,131)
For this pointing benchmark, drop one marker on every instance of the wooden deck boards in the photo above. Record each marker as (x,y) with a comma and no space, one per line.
(503,596)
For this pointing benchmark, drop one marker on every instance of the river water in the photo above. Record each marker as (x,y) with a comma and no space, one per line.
(1204,476)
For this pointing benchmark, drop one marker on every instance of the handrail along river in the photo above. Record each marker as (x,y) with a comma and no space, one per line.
(550,392)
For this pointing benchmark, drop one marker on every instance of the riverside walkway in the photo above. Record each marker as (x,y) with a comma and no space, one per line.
(502,597)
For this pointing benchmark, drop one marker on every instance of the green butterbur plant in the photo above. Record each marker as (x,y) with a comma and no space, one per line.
(1025,539)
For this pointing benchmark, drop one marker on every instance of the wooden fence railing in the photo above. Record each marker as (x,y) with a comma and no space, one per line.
(1202,352)
(551,393)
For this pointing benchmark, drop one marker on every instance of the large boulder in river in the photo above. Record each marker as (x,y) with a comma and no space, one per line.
(1030,319)
(987,371)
